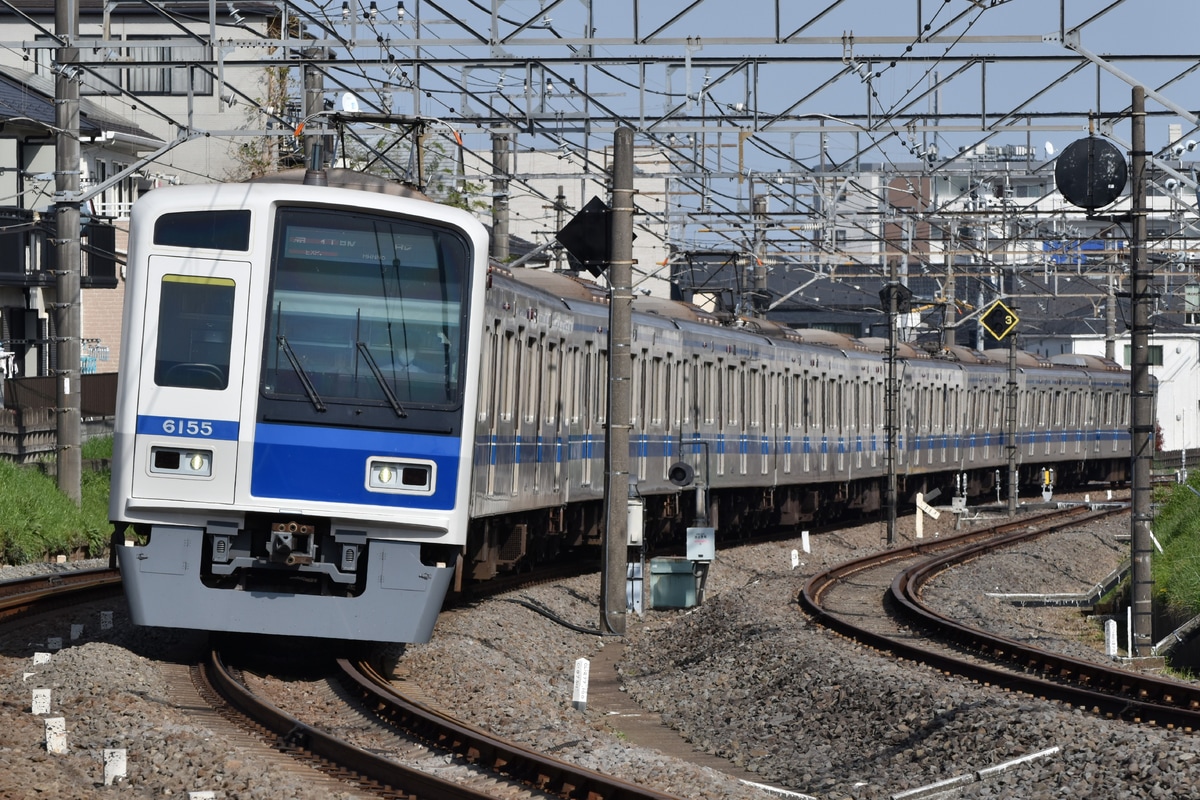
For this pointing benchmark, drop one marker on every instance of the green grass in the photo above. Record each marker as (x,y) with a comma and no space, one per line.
(1176,571)
(37,521)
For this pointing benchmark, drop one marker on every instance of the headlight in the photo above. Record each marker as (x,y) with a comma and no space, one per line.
(178,461)
(405,477)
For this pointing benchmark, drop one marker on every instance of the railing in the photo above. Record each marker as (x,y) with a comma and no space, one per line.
(29,419)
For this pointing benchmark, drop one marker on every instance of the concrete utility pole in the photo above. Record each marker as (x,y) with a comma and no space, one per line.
(67,261)
(891,405)
(761,221)
(1010,424)
(620,367)
(314,103)
(500,197)
(1142,423)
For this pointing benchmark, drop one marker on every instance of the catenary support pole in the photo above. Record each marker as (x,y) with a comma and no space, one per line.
(500,197)
(67,310)
(1142,422)
(1010,424)
(616,477)
(891,412)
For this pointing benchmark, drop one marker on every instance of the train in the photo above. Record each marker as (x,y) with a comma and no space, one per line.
(333,410)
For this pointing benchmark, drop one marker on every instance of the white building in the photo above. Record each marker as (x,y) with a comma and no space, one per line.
(149,65)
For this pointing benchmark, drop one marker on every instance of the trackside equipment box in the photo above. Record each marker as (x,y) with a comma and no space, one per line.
(672,583)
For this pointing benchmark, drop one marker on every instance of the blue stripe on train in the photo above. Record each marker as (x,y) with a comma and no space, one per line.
(301,463)
(513,449)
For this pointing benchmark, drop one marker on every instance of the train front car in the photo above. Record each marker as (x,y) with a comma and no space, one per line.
(293,441)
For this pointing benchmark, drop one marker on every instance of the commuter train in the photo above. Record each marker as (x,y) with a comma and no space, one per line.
(332,411)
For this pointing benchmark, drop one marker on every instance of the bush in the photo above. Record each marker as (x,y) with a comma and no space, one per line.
(1176,571)
(38,522)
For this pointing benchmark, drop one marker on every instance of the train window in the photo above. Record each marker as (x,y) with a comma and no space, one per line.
(688,391)
(508,379)
(712,394)
(752,388)
(531,384)
(588,378)
(205,230)
(488,407)
(570,374)
(195,332)
(637,382)
(551,383)
(366,310)
(600,398)
(667,410)
(736,393)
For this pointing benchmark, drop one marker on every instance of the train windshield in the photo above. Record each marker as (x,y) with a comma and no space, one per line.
(367,311)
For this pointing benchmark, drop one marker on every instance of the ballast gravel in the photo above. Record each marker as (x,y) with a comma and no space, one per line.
(745,676)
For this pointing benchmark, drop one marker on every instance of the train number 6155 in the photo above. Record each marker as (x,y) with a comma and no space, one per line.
(187,427)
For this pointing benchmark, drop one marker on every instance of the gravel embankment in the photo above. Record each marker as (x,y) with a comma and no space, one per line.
(745,675)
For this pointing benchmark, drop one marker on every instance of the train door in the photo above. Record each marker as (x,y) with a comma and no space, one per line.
(529,440)
(504,463)
(788,387)
(192,369)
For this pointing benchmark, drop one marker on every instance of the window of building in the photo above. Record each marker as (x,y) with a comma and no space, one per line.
(1154,355)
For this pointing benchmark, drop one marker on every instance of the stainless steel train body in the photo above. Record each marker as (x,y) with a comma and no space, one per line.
(293,440)
(780,425)
(329,407)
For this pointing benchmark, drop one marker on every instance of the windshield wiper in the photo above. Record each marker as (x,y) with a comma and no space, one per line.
(305,381)
(383,384)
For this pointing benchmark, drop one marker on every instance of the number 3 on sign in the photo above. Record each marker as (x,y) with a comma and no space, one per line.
(187,427)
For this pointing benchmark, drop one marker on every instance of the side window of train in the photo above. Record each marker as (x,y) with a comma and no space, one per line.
(551,383)
(531,378)
(569,380)
(505,377)
(711,392)
(195,332)
(587,377)
(600,387)
(489,375)
(637,408)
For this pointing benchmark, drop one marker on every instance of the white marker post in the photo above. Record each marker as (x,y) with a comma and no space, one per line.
(579,696)
(924,508)
(106,618)
(41,658)
(56,735)
(804,542)
(114,766)
(795,558)
(41,702)
(1110,638)
(76,632)
(54,643)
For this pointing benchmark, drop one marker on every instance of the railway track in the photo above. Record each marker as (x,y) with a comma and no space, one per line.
(852,598)
(514,770)
(36,595)
(877,600)
(215,691)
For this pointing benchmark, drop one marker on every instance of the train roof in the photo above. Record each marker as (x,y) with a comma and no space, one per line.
(877,344)
(1024,359)
(570,288)
(344,179)
(1087,361)
(564,287)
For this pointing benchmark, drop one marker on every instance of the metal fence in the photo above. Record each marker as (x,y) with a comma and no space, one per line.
(29,420)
